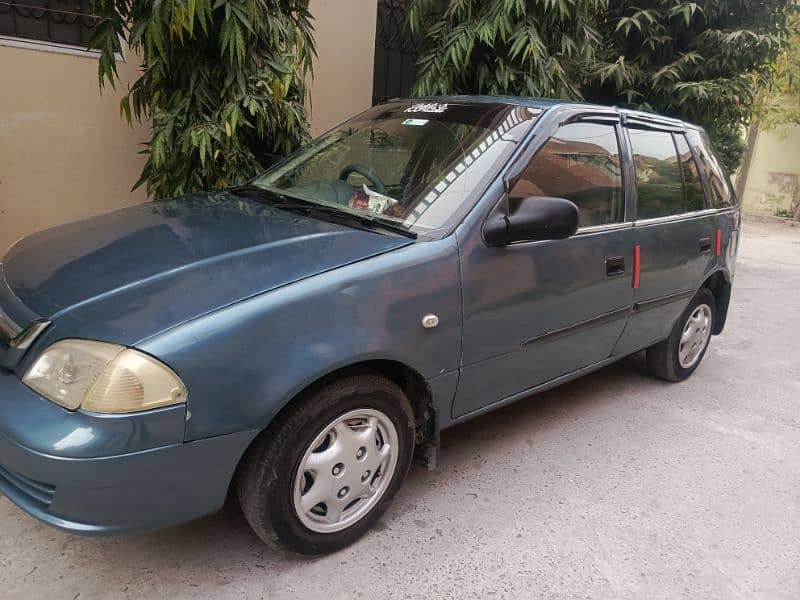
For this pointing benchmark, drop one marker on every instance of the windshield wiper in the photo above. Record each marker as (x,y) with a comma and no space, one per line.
(288,202)
(261,193)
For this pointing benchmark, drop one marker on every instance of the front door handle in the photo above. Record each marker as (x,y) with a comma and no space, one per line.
(615,266)
(705,245)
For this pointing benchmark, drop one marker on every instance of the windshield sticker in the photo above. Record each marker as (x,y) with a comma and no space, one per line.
(429,107)
(417,122)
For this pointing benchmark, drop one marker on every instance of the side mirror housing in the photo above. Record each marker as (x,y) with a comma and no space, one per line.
(529,219)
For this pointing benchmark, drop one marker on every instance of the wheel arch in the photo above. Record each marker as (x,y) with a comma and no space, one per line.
(719,283)
(407,378)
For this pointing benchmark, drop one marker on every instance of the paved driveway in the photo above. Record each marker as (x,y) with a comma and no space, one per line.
(615,486)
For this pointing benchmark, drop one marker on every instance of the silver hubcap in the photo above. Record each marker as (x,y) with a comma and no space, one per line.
(345,470)
(695,336)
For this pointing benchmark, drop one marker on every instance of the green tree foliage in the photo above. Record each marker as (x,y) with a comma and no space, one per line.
(701,61)
(223,84)
(517,47)
(778,102)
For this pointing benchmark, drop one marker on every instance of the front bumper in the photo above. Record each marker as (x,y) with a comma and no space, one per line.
(85,482)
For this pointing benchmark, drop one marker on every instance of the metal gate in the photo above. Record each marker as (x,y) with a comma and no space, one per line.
(395,52)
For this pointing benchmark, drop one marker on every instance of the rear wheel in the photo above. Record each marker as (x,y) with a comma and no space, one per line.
(323,475)
(679,355)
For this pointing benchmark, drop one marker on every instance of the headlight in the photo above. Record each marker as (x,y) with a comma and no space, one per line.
(102,377)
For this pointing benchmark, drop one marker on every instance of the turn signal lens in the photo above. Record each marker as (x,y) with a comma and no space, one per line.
(104,378)
(132,382)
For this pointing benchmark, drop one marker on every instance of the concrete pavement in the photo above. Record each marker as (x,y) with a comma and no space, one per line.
(617,485)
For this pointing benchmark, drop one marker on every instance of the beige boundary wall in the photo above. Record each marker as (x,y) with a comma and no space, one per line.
(773,181)
(65,153)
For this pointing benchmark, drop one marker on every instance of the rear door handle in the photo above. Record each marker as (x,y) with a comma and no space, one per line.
(615,266)
(705,245)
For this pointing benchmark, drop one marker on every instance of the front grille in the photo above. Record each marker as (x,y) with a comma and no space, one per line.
(8,329)
(37,492)
(19,326)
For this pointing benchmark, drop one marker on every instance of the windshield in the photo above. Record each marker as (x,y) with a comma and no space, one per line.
(419,165)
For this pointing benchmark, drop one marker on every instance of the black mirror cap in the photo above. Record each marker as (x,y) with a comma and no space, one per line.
(530,219)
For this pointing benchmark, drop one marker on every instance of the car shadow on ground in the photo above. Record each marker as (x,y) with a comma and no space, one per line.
(224,539)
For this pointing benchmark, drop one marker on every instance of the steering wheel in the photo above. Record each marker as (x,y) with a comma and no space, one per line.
(376,182)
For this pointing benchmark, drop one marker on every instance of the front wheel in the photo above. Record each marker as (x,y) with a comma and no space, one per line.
(323,475)
(679,355)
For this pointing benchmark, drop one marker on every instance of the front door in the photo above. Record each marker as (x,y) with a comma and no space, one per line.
(538,310)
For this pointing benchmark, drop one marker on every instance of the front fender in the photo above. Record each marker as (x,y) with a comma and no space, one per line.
(242,364)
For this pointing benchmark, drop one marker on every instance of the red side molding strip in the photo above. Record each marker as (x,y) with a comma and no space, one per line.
(719,242)
(637,263)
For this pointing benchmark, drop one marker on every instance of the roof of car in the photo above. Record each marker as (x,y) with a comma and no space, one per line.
(518,100)
(545,103)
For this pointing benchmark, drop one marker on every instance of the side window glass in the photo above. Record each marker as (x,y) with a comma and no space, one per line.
(581,163)
(719,188)
(659,183)
(692,187)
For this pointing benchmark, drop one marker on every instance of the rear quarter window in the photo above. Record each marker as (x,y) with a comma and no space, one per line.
(694,198)
(719,186)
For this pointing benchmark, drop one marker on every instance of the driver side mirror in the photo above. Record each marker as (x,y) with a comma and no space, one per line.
(529,219)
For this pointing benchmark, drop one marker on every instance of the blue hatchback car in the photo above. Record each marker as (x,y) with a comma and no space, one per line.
(302,338)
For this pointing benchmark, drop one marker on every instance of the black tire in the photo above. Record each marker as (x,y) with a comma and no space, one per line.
(266,475)
(663,358)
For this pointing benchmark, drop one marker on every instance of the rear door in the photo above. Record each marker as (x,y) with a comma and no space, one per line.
(721,197)
(674,233)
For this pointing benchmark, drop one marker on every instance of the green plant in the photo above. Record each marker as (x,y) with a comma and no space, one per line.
(534,48)
(778,102)
(223,84)
(701,61)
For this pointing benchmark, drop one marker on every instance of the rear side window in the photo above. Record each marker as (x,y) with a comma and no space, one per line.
(692,187)
(581,163)
(659,182)
(718,183)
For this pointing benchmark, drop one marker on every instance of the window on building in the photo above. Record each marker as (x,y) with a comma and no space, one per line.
(718,183)
(396,50)
(692,187)
(659,183)
(67,22)
(581,163)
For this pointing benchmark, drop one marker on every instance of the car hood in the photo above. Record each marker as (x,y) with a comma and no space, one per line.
(128,274)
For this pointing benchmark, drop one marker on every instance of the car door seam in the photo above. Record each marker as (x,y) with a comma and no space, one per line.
(661,300)
(570,329)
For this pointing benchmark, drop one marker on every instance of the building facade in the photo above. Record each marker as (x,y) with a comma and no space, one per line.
(65,151)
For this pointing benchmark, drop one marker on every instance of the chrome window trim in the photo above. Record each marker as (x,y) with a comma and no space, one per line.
(677,217)
(601,228)
(727,209)
(582,231)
